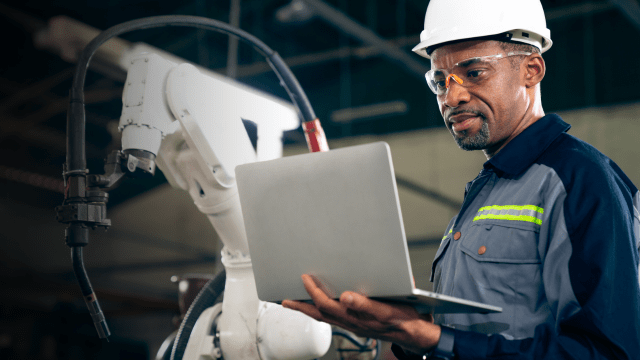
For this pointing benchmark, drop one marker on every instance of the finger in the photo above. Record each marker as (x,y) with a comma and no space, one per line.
(313,285)
(376,314)
(364,305)
(305,308)
(322,286)
(323,302)
(333,311)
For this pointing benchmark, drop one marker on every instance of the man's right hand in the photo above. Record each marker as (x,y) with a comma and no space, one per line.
(400,324)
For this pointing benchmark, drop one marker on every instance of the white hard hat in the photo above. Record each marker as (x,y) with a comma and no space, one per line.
(452,20)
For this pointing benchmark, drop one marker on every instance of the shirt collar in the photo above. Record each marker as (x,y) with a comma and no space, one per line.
(525,148)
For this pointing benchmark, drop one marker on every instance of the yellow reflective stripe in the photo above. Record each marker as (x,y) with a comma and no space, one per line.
(510,217)
(450,231)
(513,207)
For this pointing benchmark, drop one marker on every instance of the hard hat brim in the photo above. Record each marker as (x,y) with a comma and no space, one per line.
(543,44)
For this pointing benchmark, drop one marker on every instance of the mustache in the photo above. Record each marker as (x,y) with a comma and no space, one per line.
(464,111)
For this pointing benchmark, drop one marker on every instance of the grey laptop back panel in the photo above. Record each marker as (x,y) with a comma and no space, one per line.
(334,214)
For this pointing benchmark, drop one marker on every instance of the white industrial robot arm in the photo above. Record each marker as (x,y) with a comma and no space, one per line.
(192,122)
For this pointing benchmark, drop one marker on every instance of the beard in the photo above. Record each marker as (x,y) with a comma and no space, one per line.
(479,141)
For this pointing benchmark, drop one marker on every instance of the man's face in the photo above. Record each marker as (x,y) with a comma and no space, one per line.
(482,116)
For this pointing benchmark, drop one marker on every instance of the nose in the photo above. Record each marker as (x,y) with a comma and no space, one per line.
(456,93)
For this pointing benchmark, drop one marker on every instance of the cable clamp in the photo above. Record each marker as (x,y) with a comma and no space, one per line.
(75,172)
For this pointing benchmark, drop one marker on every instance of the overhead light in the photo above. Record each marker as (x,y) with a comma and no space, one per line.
(369,112)
(296,12)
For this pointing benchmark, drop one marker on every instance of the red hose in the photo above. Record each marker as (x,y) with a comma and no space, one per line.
(316,140)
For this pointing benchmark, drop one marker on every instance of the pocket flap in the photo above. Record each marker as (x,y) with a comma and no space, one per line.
(492,241)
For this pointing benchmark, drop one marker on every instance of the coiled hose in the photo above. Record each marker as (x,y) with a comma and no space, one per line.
(205,299)
(362,347)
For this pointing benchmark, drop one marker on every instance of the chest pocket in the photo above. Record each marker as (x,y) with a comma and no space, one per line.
(502,241)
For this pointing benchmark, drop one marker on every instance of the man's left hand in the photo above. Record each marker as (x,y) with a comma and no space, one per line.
(400,324)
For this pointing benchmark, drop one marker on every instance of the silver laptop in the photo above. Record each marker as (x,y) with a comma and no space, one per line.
(335,215)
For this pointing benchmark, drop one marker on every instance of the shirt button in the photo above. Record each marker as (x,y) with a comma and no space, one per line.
(457,235)
(482,250)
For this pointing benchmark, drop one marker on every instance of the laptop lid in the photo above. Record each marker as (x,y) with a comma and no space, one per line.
(332,214)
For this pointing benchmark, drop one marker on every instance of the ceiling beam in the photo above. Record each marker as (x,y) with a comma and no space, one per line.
(9,125)
(350,27)
(68,47)
(364,52)
(67,37)
(391,49)
(42,136)
(571,11)
(630,9)
(31,178)
(317,58)
(36,90)
(29,23)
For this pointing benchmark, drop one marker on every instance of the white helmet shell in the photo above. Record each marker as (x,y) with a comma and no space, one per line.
(452,20)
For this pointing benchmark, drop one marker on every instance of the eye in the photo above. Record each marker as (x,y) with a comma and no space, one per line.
(474,73)
(439,81)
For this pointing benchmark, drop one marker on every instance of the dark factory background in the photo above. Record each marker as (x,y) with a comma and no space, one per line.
(363,81)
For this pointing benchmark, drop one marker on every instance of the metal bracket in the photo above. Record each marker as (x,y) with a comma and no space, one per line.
(140,162)
(88,213)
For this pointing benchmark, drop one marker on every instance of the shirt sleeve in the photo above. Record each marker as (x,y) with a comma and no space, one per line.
(590,275)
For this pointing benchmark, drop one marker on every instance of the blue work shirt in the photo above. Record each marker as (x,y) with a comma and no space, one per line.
(549,231)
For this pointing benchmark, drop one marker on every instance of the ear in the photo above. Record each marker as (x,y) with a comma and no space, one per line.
(534,69)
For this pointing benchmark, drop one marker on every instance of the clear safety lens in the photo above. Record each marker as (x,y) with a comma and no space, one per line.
(467,73)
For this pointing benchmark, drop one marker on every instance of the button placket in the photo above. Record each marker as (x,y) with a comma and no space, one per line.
(476,194)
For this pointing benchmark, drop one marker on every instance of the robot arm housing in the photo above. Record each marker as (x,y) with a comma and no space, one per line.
(191,120)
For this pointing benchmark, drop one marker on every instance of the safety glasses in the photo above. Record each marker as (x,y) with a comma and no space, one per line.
(467,73)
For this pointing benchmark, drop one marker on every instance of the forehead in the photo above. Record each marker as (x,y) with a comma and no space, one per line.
(446,56)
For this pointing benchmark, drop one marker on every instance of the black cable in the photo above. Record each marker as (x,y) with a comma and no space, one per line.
(77,262)
(75,167)
(352,339)
(76,118)
(205,299)
(88,294)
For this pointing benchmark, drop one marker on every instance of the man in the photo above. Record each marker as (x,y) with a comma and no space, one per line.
(549,228)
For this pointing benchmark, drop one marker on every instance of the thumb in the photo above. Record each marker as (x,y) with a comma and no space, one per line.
(369,308)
